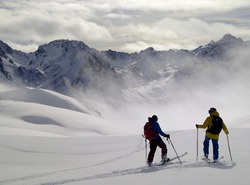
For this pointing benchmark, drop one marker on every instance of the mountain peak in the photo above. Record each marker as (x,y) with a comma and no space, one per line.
(63,45)
(229,38)
(216,49)
(149,50)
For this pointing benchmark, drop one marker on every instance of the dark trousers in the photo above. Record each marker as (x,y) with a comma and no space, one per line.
(153,146)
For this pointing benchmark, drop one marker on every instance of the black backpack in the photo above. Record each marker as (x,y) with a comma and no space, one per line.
(216,125)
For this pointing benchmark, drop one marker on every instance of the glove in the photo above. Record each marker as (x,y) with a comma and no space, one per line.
(167,136)
(197,126)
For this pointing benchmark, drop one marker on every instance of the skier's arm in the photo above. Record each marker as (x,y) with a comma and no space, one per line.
(205,124)
(159,131)
(224,127)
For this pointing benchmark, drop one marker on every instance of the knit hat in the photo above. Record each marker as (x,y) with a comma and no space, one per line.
(155,118)
(212,110)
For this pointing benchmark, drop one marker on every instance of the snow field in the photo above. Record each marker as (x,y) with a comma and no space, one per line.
(44,144)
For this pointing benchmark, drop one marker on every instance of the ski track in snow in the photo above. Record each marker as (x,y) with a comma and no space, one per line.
(145,169)
(138,148)
(174,165)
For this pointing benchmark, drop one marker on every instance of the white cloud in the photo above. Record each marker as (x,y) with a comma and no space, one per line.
(39,23)
(122,24)
(195,31)
(175,33)
(177,5)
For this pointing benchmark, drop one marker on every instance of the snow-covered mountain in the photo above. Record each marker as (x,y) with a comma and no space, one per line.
(219,49)
(68,66)
(59,66)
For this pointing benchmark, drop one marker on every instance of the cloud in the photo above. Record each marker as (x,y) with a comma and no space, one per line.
(43,22)
(221,84)
(122,24)
(181,31)
(170,33)
(177,5)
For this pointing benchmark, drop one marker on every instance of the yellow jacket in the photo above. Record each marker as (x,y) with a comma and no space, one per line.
(208,124)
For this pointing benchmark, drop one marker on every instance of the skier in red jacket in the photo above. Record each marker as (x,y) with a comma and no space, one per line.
(155,140)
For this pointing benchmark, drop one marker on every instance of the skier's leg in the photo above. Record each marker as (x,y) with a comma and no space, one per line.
(163,147)
(206,146)
(215,149)
(153,146)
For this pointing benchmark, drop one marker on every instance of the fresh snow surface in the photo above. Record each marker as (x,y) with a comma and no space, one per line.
(53,141)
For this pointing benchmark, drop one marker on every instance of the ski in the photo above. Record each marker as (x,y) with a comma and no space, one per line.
(212,161)
(172,159)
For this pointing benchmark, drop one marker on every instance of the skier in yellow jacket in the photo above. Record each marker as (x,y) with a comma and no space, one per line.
(214,125)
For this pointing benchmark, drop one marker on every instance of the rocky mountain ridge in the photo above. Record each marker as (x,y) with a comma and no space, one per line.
(66,66)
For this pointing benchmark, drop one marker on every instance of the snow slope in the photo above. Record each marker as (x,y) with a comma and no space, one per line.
(45,113)
(59,142)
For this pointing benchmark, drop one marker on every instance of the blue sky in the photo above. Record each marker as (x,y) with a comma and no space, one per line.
(122,25)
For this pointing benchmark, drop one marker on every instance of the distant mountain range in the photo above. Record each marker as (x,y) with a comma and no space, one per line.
(68,67)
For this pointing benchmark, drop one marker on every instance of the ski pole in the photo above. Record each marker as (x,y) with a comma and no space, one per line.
(229,148)
(174,150)
(145,148)
(197,146)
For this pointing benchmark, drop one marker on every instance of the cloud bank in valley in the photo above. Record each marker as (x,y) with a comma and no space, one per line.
(197,86)
(122,25)
(224,85)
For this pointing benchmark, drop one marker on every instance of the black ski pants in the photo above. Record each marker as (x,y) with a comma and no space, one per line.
(153,146)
